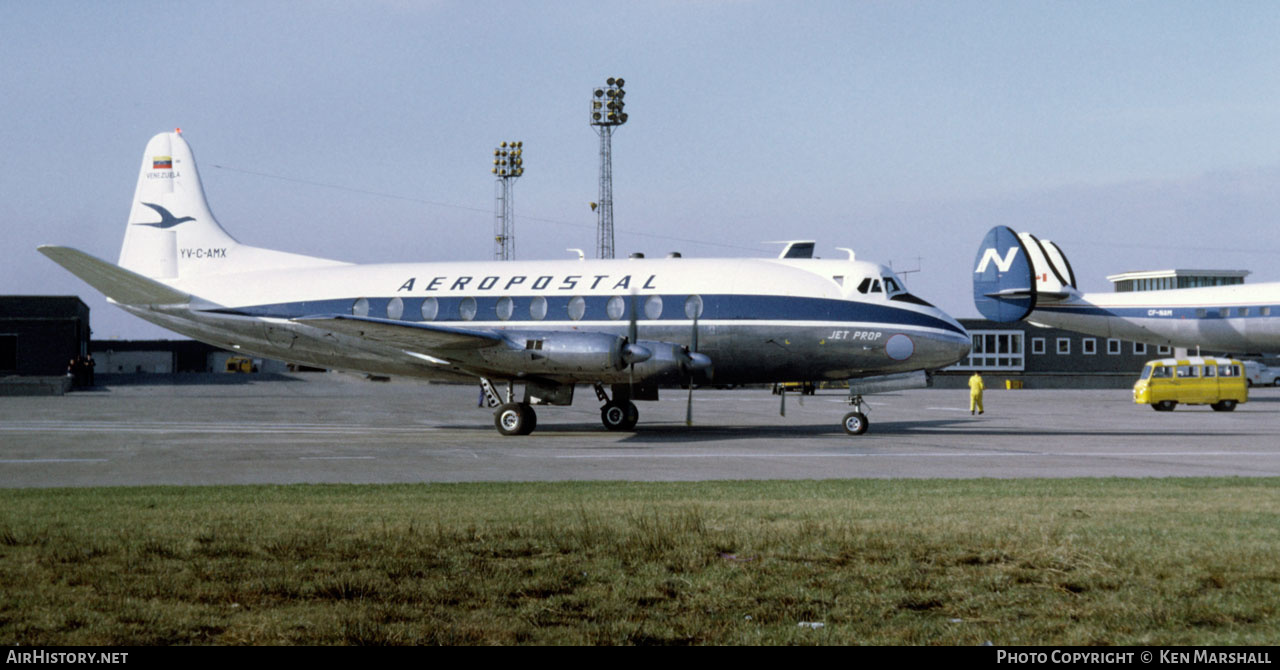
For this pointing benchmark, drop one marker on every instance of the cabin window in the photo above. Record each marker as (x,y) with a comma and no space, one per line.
(360,307)
(1266,311)
(693,307)
(430,308)
(1139,349)
(1064,346)
(1228,370)
(1089,346)
(577,307)
(616,307)
(1187,372)
(1224,312)
(1209,371)
(653,307)
(467,309)
(395,309)
(1037,346)
(538,308)
(505,308)
(1243,311)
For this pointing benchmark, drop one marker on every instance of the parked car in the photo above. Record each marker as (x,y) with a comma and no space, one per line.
(1258,374)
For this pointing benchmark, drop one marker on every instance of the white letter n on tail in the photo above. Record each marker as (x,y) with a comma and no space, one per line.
(1002,264)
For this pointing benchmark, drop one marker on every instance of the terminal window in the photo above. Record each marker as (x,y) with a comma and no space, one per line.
(995,350)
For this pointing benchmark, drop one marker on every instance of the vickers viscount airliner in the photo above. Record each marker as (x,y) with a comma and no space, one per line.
(626,326)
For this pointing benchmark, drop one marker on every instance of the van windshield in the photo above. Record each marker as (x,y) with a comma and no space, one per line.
(1160,372)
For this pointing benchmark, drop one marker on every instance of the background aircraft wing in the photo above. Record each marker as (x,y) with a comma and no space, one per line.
(407,335)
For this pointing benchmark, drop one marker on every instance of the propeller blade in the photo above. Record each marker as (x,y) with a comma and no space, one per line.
(693,351)
(689,404)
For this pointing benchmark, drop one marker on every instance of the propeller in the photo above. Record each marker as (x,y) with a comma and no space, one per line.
(693,361)
(632,352)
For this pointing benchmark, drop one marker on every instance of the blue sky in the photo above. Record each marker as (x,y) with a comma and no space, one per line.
(1138,135)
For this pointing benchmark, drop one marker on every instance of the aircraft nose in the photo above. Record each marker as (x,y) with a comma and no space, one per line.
(958,347)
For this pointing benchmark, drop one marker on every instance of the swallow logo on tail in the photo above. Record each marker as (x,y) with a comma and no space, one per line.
(167,220)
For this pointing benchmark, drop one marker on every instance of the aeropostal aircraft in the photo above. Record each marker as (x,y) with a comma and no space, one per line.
(630,324)
(1018,276)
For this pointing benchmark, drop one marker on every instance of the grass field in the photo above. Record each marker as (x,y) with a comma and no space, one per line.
(1014,562)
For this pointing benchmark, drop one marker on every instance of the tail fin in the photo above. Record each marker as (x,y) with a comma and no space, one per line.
(1049,266)
(1013,272)
(1003,286)
(171,231)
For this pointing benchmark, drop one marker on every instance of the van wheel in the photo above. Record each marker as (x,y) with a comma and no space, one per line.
(1164,406)
(1223,406)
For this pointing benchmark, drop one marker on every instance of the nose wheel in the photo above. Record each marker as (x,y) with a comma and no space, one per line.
(855,422)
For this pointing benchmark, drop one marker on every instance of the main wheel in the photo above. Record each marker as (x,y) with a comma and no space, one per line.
(619,415)
(855,423)
(515,418)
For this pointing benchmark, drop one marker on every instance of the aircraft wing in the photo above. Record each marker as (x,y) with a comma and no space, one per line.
(408,335)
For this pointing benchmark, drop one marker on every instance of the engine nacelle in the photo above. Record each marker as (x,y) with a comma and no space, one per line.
(552,353)
(666,364)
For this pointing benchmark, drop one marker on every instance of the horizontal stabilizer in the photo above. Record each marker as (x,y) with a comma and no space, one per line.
(407,335)
(1004,287)
(121,285)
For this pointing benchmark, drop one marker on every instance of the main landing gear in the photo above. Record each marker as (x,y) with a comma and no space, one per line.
(515,418)
(619,414)
(518,418)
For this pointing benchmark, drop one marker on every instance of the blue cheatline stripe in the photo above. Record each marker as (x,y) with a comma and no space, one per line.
(715,307)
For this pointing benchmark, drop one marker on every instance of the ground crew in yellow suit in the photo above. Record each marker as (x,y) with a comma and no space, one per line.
(975,393)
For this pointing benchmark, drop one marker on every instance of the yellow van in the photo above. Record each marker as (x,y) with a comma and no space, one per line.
(1216,382)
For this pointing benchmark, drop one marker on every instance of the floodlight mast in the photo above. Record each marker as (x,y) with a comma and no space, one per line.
(508,165)
(606,114)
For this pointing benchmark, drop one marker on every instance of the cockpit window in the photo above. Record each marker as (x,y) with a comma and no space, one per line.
(891,286)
